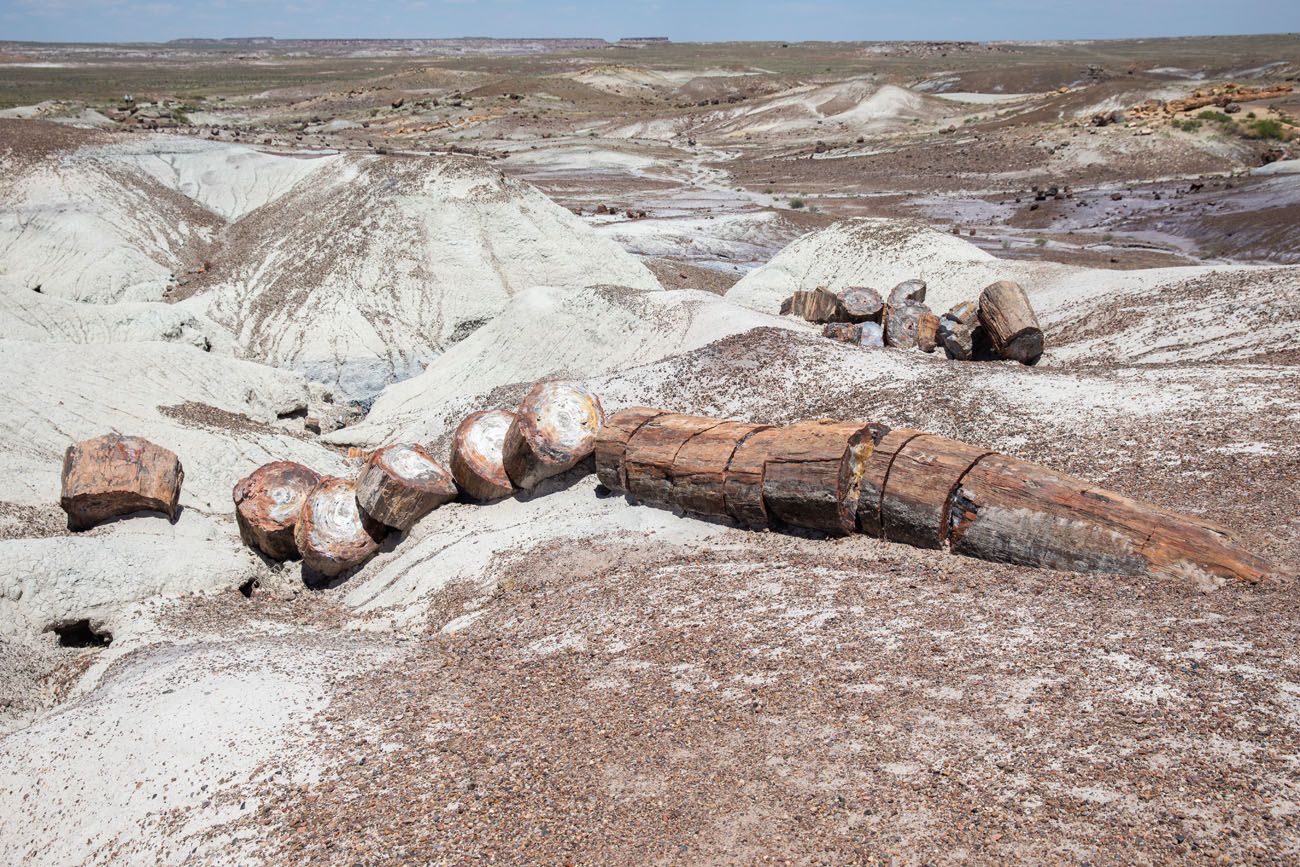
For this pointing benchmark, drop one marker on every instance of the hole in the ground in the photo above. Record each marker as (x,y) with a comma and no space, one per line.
(249,586)
(79,633)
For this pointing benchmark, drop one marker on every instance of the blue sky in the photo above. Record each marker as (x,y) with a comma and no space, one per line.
(683,20)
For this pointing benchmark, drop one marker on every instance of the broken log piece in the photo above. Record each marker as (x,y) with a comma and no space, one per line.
(871,491)
(871,335)
(965,312)
(743,483)
(861,304)
(958,340)
(476,454)
(845,332)
(1007,316)
(907,292)
(902,325)
(267,504)
(813,471)
(555,427)
(648,458)
(1012,511)
(699,471)
(115,475)
(402,483)
(924,472)
(611,444)
(333,534)
(820,305)
(927,332)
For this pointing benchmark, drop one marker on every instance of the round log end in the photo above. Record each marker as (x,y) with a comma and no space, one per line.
(333,534)
(554,428)
(402,483)
(268,502)
(477,460)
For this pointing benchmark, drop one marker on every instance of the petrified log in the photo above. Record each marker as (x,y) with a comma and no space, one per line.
(267,504)
(115,475)
(819,305)
(699,470)
(402,483)
(902,324)
(743,483)
(1012,511)
(476,454)
(813,472)
(927,331)
(554,428)
(907,292)
(861,304)
(611,444)
(1009,319)
(333,534)
(648,458)
(924,472)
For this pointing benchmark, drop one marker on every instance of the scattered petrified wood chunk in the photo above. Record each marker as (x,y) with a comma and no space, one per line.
(902,325)
(907,292)
(555,427)
(927,332)
(1009,319)
(1012,511)
(402,483)
(871,335)
(819,305)
(925,470)
(958,340)
(699,470)
(861,304)
(611,444)
(845,332)
(965,312)
(333,534)
(813,472)
(476,454)
(871,491)
(267,504)
(115,475)
(648,459)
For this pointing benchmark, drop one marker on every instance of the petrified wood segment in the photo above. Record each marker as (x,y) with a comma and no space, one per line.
(871,492)
(333,534)
(1012,327)
(924,472)
(819,305)
(476,454)
(267,504)
(743,484)
(861,304)
(611,443)
(555,427)
(927,332)
(813,471)
(402,483)
(700,469)
(902,325)
(648,459)
(1012,511)
(115,475)
(907,292)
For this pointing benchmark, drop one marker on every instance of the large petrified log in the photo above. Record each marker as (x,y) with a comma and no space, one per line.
(267,504)
(611,443)
(477,454)
(115,475)
(924,472)
(333,534)
(813,472)
(871,491)
(555,427)
(402,483)
(1012,511)
(907,292)
(1009,320)
(648,458)
(699,471)
(902,325)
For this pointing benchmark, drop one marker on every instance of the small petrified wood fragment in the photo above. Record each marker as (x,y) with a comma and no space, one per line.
(958,340)
(611,444)
(477,453)
(267,504)
(923,474)
(845,332)
(555,427)
(813,473)
(1010,321)
(333,534)
(861,304)
(402,483)
(115,475)
(907,292)
(965,312)
(927,332)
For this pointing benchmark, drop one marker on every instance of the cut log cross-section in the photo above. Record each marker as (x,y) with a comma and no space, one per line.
(267,504)
(699,471)
(1012,326)
(648,459)
(923,474)
(476,455)
(555,427)
(115,475)
(1013,511)
(333,534)
(402,483)
(861,304)
(813,473)
(611,443)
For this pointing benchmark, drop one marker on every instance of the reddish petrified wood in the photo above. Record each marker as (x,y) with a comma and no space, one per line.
(743,483)
(611,442)
(648,459)
(1012,511)
(813,472)
(476,454)
(927,332)
(333,534)
(924,472)
(1010,322)
(115,475)
(819,305)
(555,427)
(871,492)
(699,471)
(845,332)
(402,483)
(267,504)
